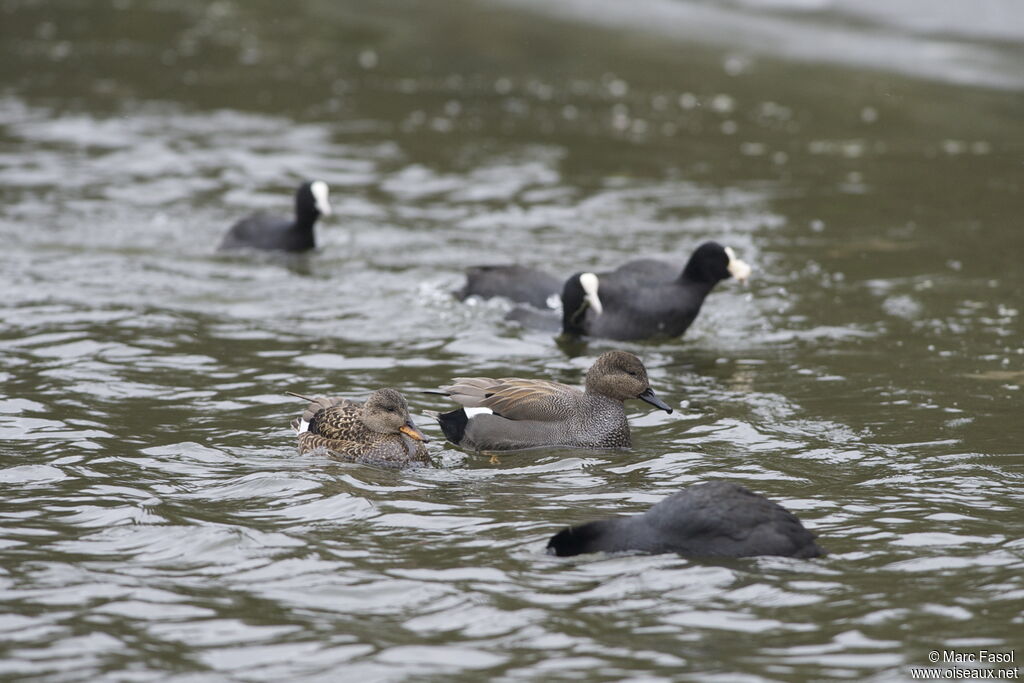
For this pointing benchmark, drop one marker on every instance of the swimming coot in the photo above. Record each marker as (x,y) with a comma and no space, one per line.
(519,283)
(269,232)
(646,298)
(716,519)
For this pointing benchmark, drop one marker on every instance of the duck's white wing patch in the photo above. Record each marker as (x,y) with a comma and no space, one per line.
(303,427)
(320,197)
(470,412)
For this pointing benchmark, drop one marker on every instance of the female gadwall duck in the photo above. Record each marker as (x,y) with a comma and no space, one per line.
(646,298)
(511,413)
(716,519)
(265,231)
(378,432)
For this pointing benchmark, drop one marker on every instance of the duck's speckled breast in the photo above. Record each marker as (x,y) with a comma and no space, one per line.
(601,423)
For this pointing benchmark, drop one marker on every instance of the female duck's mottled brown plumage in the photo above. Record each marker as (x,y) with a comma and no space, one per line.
(378,432)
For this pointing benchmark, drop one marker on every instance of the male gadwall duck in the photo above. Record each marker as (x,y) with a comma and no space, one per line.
(511,413)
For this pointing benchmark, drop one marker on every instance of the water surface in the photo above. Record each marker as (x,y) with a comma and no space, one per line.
(157,521)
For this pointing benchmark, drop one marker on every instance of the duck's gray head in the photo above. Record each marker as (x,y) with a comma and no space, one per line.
(386,412)
(622,376)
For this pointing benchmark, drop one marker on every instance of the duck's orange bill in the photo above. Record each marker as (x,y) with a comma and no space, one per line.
(412,432)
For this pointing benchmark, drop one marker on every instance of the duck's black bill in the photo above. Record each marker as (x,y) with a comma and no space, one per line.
(648,396)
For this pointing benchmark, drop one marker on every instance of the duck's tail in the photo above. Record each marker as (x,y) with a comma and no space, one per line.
(314,406)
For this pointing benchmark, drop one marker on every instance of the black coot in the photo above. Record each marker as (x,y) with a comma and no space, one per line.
(265,231)
(716,519)
(519,283)
(646,298)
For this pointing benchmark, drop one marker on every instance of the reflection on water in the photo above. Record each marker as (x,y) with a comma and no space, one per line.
(156,516)
(968,43)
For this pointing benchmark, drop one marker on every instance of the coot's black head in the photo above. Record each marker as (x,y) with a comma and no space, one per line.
(578,540)
(312,201)
(579,294)
(712,262)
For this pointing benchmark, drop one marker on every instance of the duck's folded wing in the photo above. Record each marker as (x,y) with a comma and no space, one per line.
(320,403)
(470,392)
(512,398)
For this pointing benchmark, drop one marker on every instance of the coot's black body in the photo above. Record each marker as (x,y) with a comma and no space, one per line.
(716,519)
(645,298)
(519,283)
(276,233)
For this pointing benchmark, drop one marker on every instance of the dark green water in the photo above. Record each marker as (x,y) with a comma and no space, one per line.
(157,523)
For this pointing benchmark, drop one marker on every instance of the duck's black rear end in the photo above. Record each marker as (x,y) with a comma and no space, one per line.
(453,425)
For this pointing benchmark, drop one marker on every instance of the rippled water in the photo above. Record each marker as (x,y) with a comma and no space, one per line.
(157,521)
